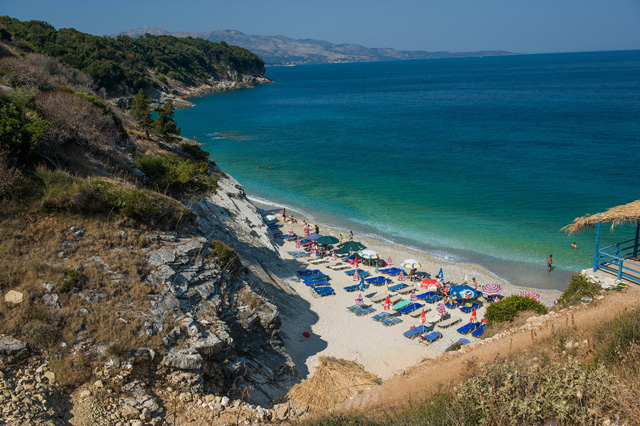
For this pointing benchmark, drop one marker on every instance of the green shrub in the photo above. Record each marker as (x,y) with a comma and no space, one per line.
(227,256)
(176,175)
(579,287)
(60,190)
(195,151)
(72,279)
(142,205)
(614,338)
(508,308)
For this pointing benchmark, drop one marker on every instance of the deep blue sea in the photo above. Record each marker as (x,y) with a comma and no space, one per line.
(473,159)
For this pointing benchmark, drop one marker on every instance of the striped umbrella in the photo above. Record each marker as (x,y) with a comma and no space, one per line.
(290,231)
(491,289)
(359,300)
(401,277)
(410,264)
(298,243)
(389,261)
(356,276)
(442,311)
(413,296)
(368,254)
(530,294)
(333,255)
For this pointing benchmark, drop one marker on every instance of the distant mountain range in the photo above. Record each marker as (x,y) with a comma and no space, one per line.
(281,50)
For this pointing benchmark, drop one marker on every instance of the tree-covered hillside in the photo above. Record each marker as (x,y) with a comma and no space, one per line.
(128,63)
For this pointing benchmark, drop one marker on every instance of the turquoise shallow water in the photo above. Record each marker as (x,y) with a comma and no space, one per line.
(473,159)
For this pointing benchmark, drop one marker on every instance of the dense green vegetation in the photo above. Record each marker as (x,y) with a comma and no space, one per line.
(579,287)
(508,308)
(176,175)
(132,63)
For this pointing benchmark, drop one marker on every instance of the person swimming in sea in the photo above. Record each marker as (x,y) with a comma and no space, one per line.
(574,245)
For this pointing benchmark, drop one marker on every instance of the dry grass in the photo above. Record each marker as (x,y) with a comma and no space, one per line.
(615,216)
(333,382)
(29,258)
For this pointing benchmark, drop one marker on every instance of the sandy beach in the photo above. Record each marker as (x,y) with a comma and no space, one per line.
(382,350)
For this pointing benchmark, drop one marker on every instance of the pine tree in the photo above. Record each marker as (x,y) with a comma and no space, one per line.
(141,111)
(164,125)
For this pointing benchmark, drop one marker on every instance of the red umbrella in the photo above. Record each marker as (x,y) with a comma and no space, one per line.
(423,319)
(430,284)
(473,316)
(387,304)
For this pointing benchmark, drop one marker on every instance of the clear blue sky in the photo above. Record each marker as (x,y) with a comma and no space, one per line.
(532,26)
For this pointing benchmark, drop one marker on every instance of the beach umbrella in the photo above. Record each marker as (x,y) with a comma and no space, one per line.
(473,316)
(413,296)
(530,294)
(352,246)
(401,276)
(314,237)
(442,311)
(430,284)
(410,264)
(386,285)
(491,289)
(290,231)
(368,254)
(270,218)
(463,292)
(387,304)
(298,243)
(377,268)
(362,286)
(423,318)
(356,276)
(389,261)
(440,275)
(327,239)
(333,255)
(359,299)
(466,279)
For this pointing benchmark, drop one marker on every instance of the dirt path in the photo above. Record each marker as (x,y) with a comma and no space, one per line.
(418,382)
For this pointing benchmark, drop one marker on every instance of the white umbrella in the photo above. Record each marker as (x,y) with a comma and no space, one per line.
(270,218)
(368,254)
(410,263)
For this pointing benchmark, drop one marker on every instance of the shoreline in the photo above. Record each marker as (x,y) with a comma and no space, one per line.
(337,332)
(503,270)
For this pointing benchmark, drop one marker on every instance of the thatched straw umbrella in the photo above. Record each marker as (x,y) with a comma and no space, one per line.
(615,216)
(334,381)
(627,213)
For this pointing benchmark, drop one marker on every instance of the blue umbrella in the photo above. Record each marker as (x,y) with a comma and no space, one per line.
(362,285)
(463,292)
(314,237)
(440,275)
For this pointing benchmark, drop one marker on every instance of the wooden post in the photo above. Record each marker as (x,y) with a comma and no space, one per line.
(595,257)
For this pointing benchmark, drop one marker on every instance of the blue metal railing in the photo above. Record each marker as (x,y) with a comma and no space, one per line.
(612,258)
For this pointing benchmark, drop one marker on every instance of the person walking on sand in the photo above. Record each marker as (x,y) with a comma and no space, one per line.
(549,263)
(284,214)
(317,229)
(474,283)
(350,235)
(340,242)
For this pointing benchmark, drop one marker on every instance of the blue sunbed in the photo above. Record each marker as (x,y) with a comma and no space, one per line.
(381,316)
(467,309)
(353,271)
(352,288)
(468,327)
(365,311)
(452,304)
(410,308)
(306,271)
(319,283)
(391,321)
(433,299)
(355,308)
(462,341)
(398,287)
(274,226)
(479,331)
(392,271)
(324,291)
(415,331)
(431,337)
(314,276)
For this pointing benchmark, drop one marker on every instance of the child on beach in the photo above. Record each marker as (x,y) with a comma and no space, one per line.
(474,283)
(340,242)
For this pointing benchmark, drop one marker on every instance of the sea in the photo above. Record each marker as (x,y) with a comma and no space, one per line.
(480,160)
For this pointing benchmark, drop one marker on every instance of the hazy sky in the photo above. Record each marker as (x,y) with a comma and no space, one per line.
(531,26)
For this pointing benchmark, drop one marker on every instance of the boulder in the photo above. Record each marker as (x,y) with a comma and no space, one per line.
(182,360)
(12,347)
(13,297)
